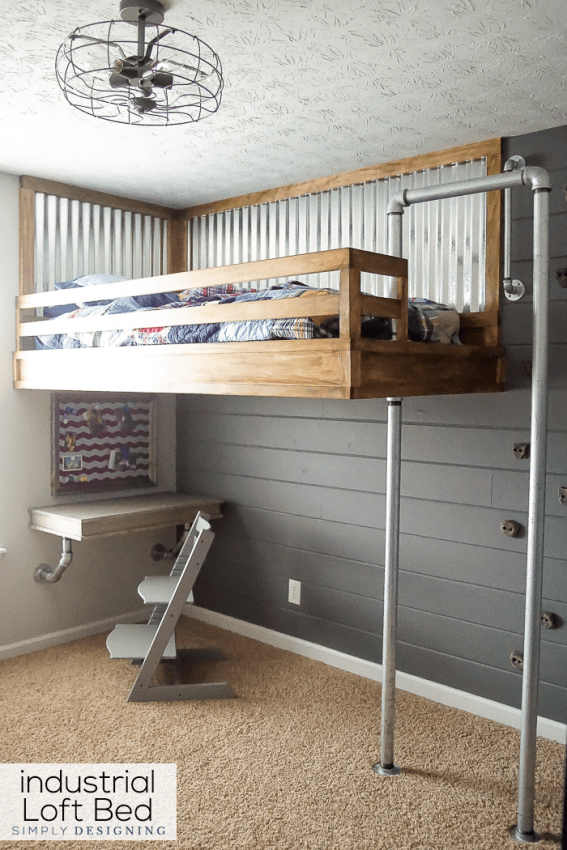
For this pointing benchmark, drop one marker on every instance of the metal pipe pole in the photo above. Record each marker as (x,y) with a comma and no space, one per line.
(513,289)
(386,765)
(524,830)
(538,180)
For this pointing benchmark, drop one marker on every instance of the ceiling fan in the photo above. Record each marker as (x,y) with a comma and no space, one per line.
(154,75)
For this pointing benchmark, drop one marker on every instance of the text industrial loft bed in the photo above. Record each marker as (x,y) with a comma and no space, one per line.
(307,230)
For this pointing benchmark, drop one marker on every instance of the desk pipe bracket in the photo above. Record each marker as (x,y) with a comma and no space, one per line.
(160,553)
(46,574)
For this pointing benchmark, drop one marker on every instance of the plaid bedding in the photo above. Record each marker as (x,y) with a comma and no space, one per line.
(262,329)
(427,321)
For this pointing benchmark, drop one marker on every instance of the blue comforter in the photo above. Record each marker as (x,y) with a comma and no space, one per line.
(302,328)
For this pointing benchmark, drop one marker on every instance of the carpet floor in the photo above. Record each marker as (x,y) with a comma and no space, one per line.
(288,763)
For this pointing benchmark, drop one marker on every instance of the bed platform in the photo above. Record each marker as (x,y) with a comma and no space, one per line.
(345,367)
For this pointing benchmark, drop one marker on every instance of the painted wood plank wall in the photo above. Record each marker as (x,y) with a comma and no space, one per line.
(304,484)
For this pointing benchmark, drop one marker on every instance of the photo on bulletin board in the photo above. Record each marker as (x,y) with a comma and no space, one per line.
(102,443)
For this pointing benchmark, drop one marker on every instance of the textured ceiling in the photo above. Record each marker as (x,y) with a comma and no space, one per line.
(313,87)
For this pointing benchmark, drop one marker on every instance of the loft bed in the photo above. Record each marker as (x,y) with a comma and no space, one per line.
(349,366)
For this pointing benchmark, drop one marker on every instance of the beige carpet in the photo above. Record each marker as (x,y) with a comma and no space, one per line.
(288,764)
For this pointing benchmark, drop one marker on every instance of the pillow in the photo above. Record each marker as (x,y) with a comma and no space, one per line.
(77,283)
(88,280)
(432,322)
(151,300)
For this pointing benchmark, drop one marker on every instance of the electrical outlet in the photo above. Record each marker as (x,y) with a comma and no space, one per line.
(294,593)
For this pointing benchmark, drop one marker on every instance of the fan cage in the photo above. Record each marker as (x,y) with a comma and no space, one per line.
(86,60)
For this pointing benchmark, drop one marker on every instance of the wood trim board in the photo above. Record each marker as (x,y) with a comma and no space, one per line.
(490,148)
(91,196)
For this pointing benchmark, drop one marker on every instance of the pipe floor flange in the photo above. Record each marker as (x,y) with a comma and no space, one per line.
(387,771)
(524,837)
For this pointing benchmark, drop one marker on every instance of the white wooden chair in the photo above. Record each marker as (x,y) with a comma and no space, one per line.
(150,643)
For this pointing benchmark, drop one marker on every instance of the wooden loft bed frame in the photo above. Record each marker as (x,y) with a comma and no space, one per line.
(346,367)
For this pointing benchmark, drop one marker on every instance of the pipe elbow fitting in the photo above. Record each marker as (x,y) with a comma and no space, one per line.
(515,163)
(536,178)
(45,573)
(397,204)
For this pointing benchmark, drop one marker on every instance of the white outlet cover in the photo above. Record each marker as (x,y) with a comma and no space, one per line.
(294,594)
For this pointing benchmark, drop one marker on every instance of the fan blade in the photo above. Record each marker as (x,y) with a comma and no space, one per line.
(143,104)
(100,41)
(167,64)
(162,80)
(118,81)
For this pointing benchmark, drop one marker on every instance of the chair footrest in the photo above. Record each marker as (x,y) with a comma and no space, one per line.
(134,641)
(158,590)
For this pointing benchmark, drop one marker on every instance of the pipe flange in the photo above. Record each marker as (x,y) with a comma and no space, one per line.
(514,289)
(158,552)
(395,770)
(149,11)
(524,837)
(42,573)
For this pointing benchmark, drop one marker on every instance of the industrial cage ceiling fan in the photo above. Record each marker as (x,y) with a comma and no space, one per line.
(135,71)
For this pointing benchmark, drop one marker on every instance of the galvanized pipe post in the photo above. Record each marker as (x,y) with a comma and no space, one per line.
(513,289)
(538,180)
(386,766)
(524,830)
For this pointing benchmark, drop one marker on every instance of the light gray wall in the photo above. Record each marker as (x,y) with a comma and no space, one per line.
(101,582)
(304,483)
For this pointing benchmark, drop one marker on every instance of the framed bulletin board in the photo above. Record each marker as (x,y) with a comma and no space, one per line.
(102,443)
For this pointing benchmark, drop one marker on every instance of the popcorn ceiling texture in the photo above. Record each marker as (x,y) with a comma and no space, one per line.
(313,87)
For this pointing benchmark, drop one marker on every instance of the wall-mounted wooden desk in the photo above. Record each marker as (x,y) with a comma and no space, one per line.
(88,520)
(84,520)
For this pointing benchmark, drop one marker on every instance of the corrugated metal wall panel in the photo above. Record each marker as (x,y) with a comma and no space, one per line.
(445,241)
(74,238)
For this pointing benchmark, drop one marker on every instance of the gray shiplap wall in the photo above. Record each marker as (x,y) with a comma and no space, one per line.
(304,482)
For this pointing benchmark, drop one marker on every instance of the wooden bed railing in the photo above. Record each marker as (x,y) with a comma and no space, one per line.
(349,303)
(346,367)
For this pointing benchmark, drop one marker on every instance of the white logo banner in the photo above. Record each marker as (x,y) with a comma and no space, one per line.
(88,802)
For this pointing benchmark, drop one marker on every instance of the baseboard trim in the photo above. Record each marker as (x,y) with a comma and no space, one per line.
(479,706)
(11,650)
